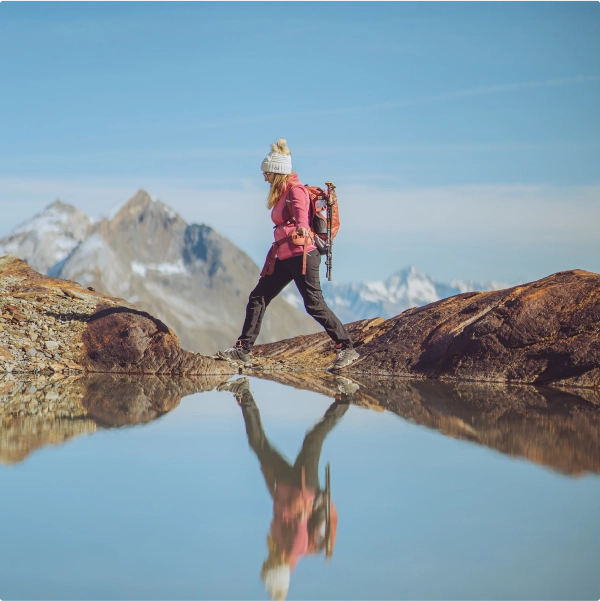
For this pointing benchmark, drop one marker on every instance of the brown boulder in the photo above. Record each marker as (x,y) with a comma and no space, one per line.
(124,339)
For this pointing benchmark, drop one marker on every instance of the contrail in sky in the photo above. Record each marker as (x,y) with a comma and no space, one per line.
(509,87)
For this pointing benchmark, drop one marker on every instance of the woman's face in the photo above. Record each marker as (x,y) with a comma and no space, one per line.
(269,177)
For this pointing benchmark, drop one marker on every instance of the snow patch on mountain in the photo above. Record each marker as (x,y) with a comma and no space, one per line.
(48,237)
(402,290)
(162,268)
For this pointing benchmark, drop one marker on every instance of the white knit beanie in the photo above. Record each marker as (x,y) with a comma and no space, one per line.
(279,160)
(277,581)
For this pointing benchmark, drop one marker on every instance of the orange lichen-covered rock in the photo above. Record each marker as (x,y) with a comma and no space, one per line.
(544,332)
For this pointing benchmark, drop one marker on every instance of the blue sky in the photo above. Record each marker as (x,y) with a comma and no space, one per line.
(464,137)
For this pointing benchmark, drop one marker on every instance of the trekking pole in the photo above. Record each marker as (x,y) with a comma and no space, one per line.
(331,200)
(328,545)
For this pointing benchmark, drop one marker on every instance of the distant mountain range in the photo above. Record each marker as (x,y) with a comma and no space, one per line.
(189,276)
(404,289)
(192,277)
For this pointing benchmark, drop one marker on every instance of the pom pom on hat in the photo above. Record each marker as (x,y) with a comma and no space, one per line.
(279,160)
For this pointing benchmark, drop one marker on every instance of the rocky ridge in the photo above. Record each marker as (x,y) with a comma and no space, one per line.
(543,332)
(52,326)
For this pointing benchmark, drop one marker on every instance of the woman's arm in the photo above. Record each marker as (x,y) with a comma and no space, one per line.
(299,203)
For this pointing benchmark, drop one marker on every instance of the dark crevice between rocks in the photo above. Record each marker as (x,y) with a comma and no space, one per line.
(105,312)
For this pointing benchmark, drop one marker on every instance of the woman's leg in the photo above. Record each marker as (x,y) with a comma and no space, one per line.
(268,287)
(309,286)
(272,463)
(313,442)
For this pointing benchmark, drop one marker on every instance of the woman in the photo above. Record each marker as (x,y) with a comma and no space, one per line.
(290,210)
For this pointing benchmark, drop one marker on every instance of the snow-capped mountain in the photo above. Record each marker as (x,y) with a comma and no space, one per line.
(189,276)
(404,289)
(48,237)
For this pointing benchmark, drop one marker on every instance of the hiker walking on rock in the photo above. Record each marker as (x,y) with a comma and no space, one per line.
(293,256)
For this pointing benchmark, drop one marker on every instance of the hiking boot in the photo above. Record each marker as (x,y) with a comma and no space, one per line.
(237,387)
(345,357)
(345,386)
(237,354)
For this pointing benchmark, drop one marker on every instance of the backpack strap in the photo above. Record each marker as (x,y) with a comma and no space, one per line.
(304,241)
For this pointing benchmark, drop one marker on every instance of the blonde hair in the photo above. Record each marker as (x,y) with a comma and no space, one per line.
(277,188)
(275,572)
(280,182)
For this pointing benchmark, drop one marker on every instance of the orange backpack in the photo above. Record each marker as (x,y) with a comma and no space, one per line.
(320,203)
(323,207)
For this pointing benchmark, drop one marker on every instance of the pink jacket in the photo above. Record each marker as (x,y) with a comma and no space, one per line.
(298,207)
(289,527)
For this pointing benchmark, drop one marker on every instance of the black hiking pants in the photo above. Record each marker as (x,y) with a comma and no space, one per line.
(309,287)
(273,463)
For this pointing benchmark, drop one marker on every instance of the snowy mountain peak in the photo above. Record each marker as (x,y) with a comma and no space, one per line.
(48,237)
(61,207)
(404,289)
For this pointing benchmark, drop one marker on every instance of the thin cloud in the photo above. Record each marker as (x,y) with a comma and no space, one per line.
(383,106)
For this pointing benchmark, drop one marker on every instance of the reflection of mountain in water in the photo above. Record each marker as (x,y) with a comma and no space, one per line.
(553,427)
(36,413)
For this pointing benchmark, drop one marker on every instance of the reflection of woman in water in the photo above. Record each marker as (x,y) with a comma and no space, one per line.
(299,505)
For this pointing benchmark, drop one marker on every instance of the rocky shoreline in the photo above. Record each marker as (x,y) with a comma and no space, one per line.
(545,333)
(73,361)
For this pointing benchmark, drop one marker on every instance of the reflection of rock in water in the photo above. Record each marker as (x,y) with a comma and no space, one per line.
(43,411)
(114,400)
(39,412)
(549,426)
(21,435)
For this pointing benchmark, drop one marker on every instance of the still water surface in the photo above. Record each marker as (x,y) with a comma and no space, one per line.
(434,500)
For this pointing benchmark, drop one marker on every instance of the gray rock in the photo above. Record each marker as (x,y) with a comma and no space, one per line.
(51,344)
